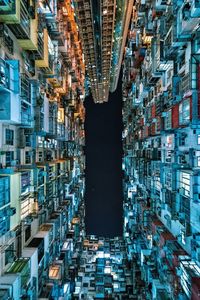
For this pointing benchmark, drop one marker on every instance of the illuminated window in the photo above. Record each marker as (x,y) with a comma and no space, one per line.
(198,139)
(198,161)
(185,183)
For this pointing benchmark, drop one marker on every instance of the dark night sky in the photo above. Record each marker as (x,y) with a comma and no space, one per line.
(104,198)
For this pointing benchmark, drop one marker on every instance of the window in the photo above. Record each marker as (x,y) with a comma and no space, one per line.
(25,208)
(8,42)
(4,191)
(27,157)
(184,112)
(168,120)
(9,254)
(25,182)
(182,233)
(182,139)
(198,139)
(28,140)
(198,158)
(27,233)
(9,158)
(9,137)
(40,141)
(182,61)
(185,183)
(40,156)
(157,183)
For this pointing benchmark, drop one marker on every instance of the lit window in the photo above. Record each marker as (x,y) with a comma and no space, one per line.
(185,183)
(25,182)
(198,139)
(107,270)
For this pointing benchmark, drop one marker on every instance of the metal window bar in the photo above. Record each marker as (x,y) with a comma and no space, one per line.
(8,42)
(25,113)
(25,182)
(25,87)
(22,30)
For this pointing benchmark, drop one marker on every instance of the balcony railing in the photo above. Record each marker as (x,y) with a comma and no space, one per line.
(7,40)
(22,30)
(25,87)
(186,83)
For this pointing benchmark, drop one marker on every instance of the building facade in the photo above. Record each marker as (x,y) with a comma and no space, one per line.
(103,28)
(42,161)
(161,148)
(44,55)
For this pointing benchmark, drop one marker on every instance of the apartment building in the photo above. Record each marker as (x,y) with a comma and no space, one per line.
(161,148)
(42,161)
(103,29)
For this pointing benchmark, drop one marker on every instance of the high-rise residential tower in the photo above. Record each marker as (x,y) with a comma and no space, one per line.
(45,47)
(103,28)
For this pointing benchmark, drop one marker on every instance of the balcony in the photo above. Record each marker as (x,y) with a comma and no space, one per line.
(190,277)
(154,78)
(56,29)
(25,183)
(26,115)
(22,21)
(25,87)
(13,286)
(39,119)
(21,27)
(186,83)
(21,266)
(9,91)
(185,24)
(30,42)
(46,47)
(7,40)
(10,13)
(38,242)
(9,75)
(4,191)
(25,95)
(172,42)
(55,74)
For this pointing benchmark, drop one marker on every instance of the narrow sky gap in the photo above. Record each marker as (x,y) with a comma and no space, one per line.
(104,195)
